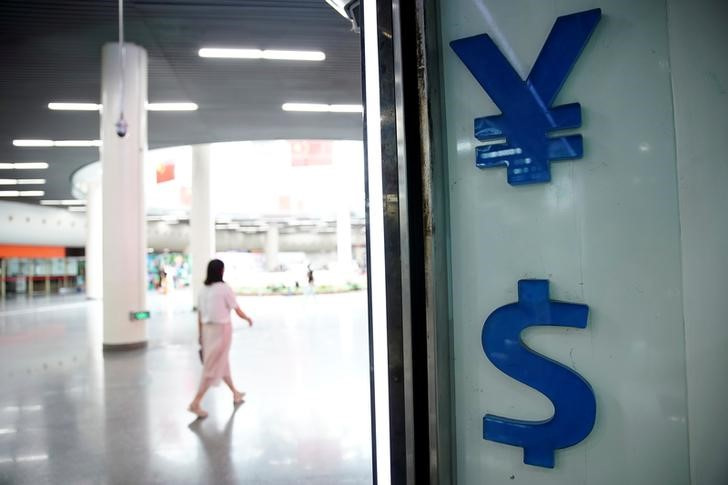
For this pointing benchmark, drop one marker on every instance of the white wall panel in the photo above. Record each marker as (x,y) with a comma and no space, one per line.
(605,232)
(40,225)
(698,39)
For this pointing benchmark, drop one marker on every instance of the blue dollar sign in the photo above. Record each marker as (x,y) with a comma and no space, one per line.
(571,395)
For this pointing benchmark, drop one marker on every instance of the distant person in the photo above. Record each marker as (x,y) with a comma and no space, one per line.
(309,275)
(215,334)
(162,279)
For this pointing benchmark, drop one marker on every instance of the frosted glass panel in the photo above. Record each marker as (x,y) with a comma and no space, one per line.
(604,231)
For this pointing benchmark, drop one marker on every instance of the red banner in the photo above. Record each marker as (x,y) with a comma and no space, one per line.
(310,152)
(165,172)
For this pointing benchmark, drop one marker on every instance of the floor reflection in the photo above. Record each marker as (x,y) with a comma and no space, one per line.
(71,414)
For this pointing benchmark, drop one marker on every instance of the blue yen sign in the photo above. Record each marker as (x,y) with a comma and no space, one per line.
(527,115)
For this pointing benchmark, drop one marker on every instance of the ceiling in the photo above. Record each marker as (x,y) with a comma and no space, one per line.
(51,51)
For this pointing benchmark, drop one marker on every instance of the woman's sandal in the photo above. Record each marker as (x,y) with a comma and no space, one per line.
(238,398)
(197,410)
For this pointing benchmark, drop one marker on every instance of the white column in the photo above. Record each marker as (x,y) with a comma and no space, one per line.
(48,268)
(343,236)
(94,241)
(65,273)
(342,161)
(202,219)
(3,275)
(271,247)
(122,161)
(31,275)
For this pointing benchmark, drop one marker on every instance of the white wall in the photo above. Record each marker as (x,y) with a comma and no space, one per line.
(699,65)
(175,237)
(50,226)
(605,232)
(42,226)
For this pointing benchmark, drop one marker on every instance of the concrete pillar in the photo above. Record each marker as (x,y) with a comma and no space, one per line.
(343,236)
(3,275)
(65,272)
(202,219)
(124,227)
(31,275)
(343,214)
(48,269)
(94,241)
(271,247)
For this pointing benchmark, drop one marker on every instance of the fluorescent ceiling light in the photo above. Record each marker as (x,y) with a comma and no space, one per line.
(22,181)
(23,166)
(323,108)
(172,106)
(278,55)
(74,106)
(57,143)
(346,108)
(33,143)
(77,208)
(21,193)
(77,143)
(63,202)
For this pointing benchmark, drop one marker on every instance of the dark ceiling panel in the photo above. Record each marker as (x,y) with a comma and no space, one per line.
(51,51)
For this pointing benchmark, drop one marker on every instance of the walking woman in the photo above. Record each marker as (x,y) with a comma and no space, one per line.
(215,329)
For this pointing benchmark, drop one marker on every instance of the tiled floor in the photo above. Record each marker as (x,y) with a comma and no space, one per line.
(70,414)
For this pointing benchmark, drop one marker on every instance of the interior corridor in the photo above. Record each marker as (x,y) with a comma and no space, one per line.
(71,414)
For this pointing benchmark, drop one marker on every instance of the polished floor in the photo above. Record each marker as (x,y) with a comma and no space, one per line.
(71,414)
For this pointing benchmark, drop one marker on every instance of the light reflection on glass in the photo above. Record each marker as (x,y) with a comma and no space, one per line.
(282,462)
(27,458)
(179,455)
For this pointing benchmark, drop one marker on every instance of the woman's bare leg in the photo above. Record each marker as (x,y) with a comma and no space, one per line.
(237,395)
(195,404)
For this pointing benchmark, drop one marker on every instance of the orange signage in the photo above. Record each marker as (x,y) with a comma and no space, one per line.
(32,251)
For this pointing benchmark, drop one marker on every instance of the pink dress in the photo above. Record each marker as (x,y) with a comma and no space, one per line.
(215,303)
(216,340)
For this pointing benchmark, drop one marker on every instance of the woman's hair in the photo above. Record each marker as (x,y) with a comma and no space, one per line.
(214,272)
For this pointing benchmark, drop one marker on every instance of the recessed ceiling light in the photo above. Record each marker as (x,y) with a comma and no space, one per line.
(22,181)
(172,106)
(74,106)
(278,55)
(23,166)
(21,193)
(57,143)
(323,108)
